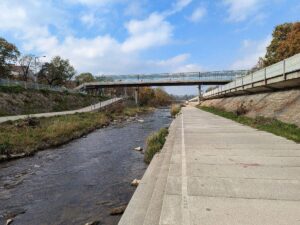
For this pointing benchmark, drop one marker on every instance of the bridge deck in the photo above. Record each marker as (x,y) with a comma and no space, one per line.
(216,171)
(166,79)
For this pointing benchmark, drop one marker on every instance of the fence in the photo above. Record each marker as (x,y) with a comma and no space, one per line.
(283,67)
(31,85)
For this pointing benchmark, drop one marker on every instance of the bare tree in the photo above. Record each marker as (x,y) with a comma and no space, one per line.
(26,63)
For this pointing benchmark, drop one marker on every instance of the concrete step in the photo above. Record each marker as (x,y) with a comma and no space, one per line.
(154,210)
(140,201)
(138,205)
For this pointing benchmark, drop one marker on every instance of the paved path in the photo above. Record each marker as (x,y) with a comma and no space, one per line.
(213,171)
(86,109)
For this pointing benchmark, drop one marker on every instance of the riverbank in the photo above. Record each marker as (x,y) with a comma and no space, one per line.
(289,131)
(81,181)
(25,137)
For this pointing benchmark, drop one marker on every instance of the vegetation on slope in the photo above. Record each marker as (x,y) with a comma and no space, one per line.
(25,137)
(289,131)
(20,101)
(155,143)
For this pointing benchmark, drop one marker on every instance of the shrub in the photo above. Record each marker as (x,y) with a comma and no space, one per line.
(155,142)
(175,109)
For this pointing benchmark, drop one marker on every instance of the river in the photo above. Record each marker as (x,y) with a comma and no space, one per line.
(81,181)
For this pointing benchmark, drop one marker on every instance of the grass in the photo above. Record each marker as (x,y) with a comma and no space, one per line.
(12,89)
(33,134)
(155,143)
(175,109)
(289,131)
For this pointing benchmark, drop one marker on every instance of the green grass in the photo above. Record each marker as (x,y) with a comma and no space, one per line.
(155,143)
(12,89)
(30,135)
(289,131)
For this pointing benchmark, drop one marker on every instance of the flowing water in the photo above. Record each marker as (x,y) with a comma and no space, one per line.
(78,182)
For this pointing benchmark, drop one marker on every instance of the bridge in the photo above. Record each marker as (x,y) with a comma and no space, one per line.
(162,79)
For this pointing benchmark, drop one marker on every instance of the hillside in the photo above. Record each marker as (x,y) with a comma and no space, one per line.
(18,101)
(281,105)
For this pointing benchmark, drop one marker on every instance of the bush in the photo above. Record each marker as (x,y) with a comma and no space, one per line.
(175,109)
(155,142)
(12,89)
(4,148)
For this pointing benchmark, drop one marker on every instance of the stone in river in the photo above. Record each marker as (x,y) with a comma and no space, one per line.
(135,182)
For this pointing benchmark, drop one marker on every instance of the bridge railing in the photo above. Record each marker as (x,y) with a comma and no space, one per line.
(189,76)
(283,67)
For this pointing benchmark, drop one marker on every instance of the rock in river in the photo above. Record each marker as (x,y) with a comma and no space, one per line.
(138,149)
(135,182)
(118,210)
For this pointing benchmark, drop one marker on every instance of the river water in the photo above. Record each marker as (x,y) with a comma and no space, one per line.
(81,181)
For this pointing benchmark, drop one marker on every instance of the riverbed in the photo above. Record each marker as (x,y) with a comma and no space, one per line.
(81,181)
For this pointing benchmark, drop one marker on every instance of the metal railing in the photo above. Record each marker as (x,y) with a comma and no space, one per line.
(187,76)
(36,86)
(281,68)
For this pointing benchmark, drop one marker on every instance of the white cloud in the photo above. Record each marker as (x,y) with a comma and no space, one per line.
(240,10)
(93,2)
(251,51)
(177,7)
(153,31)
(30,22)
(135,8)
(198,14)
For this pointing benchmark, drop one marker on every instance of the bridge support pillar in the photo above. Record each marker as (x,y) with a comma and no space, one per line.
(199,93)
(136,96)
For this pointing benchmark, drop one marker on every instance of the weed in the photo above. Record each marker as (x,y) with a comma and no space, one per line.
(155,142)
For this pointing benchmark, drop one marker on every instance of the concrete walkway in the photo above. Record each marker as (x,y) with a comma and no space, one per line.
(213,171)
(86,109)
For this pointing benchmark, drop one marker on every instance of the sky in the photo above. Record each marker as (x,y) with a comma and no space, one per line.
(146,36)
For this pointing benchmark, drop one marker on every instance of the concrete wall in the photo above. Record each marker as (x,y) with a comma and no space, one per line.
(282,105)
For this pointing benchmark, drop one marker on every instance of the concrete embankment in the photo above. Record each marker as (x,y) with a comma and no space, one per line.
(216,171)
(282,105)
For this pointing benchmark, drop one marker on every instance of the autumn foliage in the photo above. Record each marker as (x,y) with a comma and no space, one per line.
(154,97)
(285,43)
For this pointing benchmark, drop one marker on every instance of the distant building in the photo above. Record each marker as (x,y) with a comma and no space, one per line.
(18,71)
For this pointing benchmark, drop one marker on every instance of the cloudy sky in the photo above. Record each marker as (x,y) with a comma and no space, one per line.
(146,36)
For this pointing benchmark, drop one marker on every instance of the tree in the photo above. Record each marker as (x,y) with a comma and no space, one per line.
(285,43)
(26,64)
(57,72)
(9,54)
(84,78)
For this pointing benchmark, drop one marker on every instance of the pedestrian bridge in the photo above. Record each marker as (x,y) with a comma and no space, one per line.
(164,79)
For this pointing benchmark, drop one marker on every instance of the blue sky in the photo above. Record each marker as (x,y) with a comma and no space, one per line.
(140,36)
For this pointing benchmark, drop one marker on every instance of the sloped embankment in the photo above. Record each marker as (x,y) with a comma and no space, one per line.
(281,105)
(19,101)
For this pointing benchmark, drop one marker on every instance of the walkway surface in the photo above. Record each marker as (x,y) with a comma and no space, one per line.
(213,171)
(86,109)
